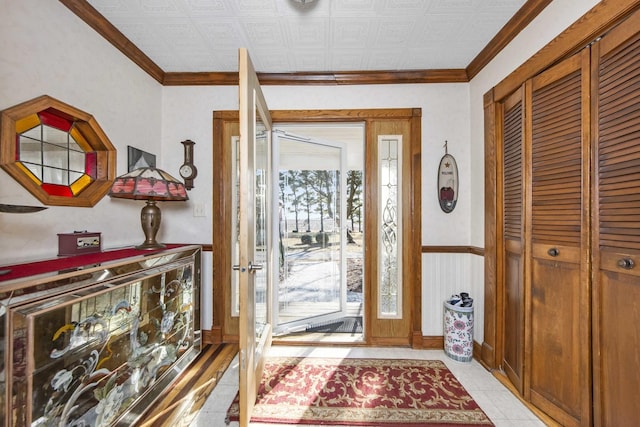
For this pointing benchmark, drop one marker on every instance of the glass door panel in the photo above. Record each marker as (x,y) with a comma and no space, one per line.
(262,235)
(310,232)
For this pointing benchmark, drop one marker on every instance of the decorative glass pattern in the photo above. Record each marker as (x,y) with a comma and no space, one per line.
(389,222)
(54,151)
(262,217)
(87,357)
(235,225)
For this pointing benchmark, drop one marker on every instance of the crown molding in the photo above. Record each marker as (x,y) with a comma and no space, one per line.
(83,10)
(329,78)
(593,24)
(512,28)
(100,24)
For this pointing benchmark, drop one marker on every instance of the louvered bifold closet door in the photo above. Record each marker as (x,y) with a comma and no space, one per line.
(513,230)
(617,237)
(558,356)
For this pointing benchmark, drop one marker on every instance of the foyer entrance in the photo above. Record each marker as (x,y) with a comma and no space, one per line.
(389,221)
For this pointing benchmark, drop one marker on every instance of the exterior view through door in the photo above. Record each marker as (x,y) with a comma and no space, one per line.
(315,247)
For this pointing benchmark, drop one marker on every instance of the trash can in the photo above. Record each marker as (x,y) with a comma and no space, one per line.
(458,332)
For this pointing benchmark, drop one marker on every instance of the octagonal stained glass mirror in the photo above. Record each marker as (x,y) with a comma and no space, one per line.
(57,152)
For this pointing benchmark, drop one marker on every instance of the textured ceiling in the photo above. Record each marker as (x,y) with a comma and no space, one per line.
(284,36)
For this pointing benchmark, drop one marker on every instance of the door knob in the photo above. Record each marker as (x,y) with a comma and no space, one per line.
(553,252)
(626,263)
(254,267)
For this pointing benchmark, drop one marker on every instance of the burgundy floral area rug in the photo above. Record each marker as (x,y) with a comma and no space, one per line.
(361,392)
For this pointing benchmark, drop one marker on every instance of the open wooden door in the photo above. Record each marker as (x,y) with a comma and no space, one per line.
(255,238)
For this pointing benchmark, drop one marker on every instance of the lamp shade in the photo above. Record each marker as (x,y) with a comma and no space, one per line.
(148,184)
(152,185)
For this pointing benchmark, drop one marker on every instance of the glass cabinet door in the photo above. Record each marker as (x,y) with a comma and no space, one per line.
(88,356)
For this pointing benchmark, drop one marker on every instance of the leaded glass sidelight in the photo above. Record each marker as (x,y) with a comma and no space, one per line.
(389,226)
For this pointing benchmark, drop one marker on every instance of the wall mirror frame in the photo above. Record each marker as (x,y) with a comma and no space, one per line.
(59,153)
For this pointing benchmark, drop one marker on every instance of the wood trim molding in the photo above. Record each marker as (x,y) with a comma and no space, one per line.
(516,24)
(317,116)
(99,23)
(320,79)
(453,250)
(83,10)
(433,342)
(491,302)
(590,26)
(211,336)
(407,119)
(200,79)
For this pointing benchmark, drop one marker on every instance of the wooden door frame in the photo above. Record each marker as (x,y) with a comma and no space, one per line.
(225,125)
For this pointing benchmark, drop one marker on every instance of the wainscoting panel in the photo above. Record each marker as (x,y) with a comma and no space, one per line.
(445,274)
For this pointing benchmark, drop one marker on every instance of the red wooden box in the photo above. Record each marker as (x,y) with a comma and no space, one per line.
(78,243)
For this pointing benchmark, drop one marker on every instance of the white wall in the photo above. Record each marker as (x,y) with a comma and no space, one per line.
(187,113)
(46,49)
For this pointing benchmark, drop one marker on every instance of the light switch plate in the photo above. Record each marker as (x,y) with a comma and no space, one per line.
(200,209)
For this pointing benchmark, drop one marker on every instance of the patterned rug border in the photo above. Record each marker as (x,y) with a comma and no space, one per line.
(384,417)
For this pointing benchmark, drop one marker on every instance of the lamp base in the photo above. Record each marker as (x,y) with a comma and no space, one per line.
(148,246)
(150,218)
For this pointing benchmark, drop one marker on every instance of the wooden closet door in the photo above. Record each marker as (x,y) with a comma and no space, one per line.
(513,237)
(558,351)
(617,236)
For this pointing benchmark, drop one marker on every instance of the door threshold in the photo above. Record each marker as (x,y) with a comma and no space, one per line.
(306,338)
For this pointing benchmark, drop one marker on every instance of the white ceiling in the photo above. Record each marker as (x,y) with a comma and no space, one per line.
(328,35)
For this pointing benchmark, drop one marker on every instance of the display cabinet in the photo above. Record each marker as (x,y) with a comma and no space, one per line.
(96,344)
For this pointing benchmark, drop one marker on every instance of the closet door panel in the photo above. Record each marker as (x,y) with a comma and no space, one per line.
(513,232)
(513,358)
(558,357)
(617,236)
(555,376)
(620,340)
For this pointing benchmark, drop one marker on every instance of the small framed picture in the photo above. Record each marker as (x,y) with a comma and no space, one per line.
(139,159)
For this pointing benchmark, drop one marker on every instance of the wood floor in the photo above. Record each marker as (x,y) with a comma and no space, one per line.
(181,403)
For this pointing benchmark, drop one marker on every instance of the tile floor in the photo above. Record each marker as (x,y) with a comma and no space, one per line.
(498,403)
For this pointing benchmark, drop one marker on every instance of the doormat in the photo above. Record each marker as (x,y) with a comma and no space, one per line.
(361,392)
(349,325)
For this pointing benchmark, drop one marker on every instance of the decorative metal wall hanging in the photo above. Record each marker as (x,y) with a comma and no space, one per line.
(447,181)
